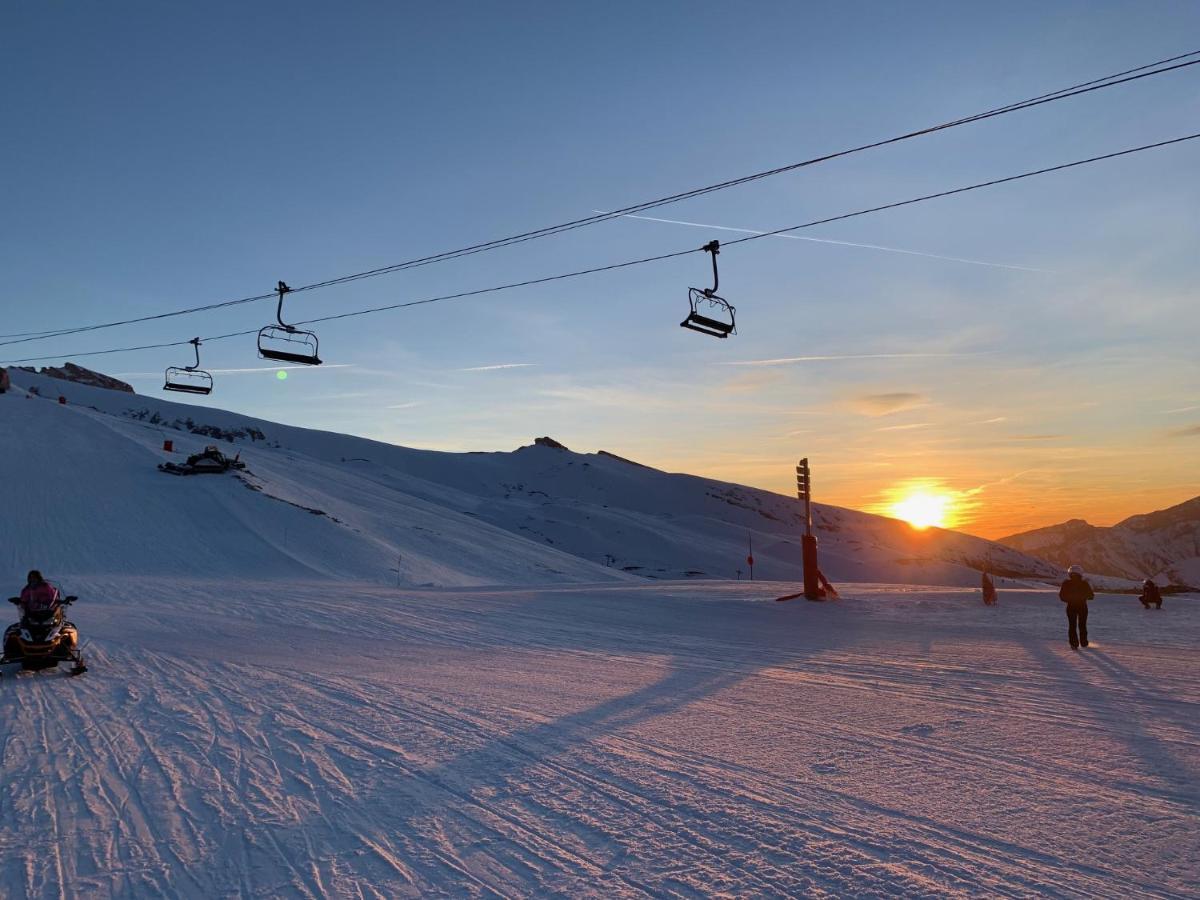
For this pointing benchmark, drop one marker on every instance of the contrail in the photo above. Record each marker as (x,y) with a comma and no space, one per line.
(501,366)
(321,368)
(800,237)
(788,360)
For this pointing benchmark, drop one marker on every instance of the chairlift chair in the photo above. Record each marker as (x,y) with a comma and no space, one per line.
(189,379)
(717,319)
(286,343)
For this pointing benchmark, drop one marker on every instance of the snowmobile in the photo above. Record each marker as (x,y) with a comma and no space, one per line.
(210,461)
(43,639)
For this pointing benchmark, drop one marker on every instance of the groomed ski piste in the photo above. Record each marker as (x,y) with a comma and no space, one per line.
(268,713)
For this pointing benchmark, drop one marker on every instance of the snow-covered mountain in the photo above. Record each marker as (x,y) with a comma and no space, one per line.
(81,479)
(1164,545)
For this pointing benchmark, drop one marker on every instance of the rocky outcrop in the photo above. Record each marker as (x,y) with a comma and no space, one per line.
(80,375)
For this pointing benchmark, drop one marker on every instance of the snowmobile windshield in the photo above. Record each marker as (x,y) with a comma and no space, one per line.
(40,616)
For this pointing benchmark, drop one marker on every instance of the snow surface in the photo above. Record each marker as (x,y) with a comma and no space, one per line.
(241,739)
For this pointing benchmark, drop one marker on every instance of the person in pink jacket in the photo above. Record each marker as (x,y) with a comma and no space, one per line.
(38,594)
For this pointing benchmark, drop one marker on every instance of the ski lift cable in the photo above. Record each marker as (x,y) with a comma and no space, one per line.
(1162,66)
(1061,94)
(647,259)
(961,190)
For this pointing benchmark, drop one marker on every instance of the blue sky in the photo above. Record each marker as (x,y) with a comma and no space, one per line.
(166,155)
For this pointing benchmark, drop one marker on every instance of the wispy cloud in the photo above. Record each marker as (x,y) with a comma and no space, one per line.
(499,366)
(792,360)
(1189,431)
(1181,409)
(996,421)
(408,405)
(909,427)
(801,237)
(886,404)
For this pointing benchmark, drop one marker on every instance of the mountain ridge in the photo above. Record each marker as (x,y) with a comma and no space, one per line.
(539,512)
(1163,545)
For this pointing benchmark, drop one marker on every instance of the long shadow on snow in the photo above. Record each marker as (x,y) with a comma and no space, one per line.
(1159,762)
(707,654)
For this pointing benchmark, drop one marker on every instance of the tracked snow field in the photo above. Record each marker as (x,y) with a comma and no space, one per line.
(675,740)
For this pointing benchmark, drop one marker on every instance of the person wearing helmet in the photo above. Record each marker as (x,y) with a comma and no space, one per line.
(38,594)
(1076,592)
(1151,594)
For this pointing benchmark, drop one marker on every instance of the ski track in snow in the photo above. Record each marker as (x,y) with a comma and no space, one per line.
(313,739)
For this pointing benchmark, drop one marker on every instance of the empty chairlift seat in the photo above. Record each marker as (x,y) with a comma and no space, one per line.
(286,343)
(708,313)
(189,379)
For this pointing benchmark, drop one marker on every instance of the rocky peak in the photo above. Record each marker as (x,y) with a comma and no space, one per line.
(80,375)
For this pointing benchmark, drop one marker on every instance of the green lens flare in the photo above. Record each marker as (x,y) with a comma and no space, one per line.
(281,375)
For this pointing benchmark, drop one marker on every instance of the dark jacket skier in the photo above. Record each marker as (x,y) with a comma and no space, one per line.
(1151,594)
(989,589)
(1076,592)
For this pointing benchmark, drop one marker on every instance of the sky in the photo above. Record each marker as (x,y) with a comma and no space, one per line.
(1029,349)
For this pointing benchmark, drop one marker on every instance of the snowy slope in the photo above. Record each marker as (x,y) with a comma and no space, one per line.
(274,739)
(82,494)
(1164,545)
(562,514)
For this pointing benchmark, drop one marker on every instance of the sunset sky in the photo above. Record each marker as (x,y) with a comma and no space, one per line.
(1029,349)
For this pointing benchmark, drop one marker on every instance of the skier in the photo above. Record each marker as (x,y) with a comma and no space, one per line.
(1076,592)
(1151,594)
(989,590)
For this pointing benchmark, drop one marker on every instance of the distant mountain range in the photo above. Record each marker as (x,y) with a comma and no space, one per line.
(1163,545)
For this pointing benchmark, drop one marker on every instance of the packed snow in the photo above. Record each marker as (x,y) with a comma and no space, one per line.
(241,738)
(404,695)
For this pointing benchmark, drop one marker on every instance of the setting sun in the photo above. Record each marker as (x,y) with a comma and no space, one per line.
(921,509)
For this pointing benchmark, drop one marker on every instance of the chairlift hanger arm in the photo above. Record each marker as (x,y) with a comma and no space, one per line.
(282,289)
(195,342)
(714,247)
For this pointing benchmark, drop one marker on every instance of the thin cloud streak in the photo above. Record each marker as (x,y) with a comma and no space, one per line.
(801,237)
(498,367)
(790,360)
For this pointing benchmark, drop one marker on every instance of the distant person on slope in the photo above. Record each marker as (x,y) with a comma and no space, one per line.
(989,590)
(1076,592)
(1151,594)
